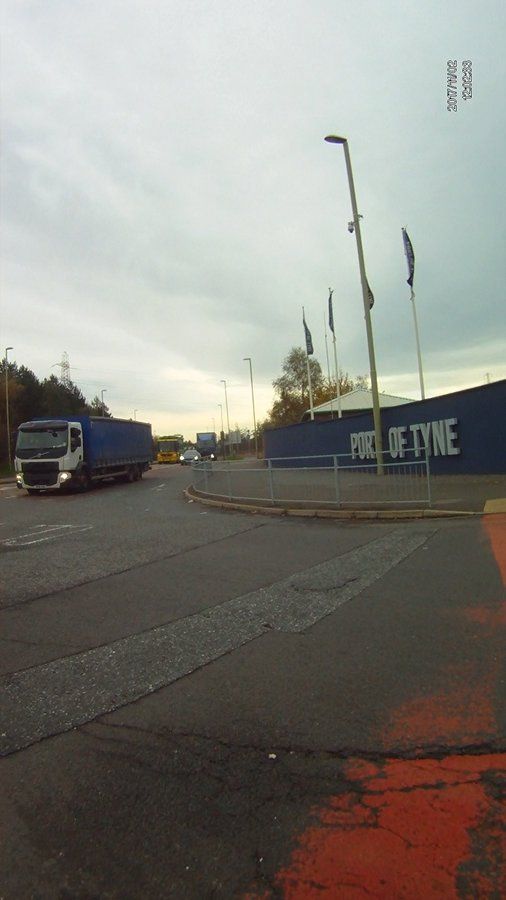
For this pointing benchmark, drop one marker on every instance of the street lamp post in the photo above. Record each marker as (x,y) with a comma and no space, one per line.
(135,414)
(248,359)
(378,441)
(102,392)
(7,417)
(224,383)
(222,431)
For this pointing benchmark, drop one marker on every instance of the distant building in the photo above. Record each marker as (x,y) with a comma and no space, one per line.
(357,401)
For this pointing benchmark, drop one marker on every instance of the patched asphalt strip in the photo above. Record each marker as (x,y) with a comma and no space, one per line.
(57,696)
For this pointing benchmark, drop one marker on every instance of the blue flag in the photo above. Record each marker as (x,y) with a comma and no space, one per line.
(331,312)
(370,295)
(309,342)
(410,256)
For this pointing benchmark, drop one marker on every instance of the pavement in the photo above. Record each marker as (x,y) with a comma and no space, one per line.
(451,495)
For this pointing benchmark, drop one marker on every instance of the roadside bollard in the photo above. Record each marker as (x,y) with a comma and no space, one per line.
(336,480)
(271,480)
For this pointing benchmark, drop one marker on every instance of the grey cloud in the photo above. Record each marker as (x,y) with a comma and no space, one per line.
(166,187)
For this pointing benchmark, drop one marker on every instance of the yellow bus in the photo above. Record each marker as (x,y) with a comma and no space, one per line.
(169,448)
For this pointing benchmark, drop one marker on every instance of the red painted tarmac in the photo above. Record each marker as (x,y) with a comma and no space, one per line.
(425,827)
(418,828)
(495,527)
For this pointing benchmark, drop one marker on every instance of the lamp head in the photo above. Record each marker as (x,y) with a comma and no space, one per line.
(334,139)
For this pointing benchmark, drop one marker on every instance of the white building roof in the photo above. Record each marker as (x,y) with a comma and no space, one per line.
(359,399)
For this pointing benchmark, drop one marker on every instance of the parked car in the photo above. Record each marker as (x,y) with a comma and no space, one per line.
(190,457)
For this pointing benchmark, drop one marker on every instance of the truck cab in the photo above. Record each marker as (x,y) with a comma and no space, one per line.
(48,454)
(207,444)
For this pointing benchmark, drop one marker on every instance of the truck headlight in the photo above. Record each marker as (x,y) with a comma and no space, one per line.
(181,458)
(64,476)
(213,456)
(19,479)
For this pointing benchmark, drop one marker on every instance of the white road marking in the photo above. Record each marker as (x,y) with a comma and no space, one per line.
(46,527)
(52,531)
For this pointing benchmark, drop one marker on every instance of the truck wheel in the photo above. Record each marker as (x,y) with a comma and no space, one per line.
(140,472)
(84,482)
(131,474)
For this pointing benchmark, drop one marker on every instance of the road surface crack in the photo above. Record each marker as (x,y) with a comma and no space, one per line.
(379,755)
(306,589)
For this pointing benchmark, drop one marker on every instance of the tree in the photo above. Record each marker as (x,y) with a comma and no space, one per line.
(362,381)
(292,387)
(59,399)
(292,390)
(294,381)
(24,397)
(30,394)
(97,408)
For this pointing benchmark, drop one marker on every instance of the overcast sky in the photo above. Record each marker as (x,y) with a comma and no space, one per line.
(169,203)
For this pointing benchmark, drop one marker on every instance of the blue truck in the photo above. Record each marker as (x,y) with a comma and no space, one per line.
(207,445)
(77,451)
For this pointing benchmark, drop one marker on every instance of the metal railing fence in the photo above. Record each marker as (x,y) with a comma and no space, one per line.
(335,480)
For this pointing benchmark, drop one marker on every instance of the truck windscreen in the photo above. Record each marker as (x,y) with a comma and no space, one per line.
(41,442)
(168,446)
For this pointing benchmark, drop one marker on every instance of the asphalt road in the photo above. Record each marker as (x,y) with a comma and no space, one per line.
(198,703)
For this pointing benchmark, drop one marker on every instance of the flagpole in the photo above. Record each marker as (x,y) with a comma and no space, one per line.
(328,366)
(331,324)
(338,386)
(311,410)
(417,336)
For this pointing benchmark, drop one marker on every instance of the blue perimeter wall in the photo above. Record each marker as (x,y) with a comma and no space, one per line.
(479,433)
